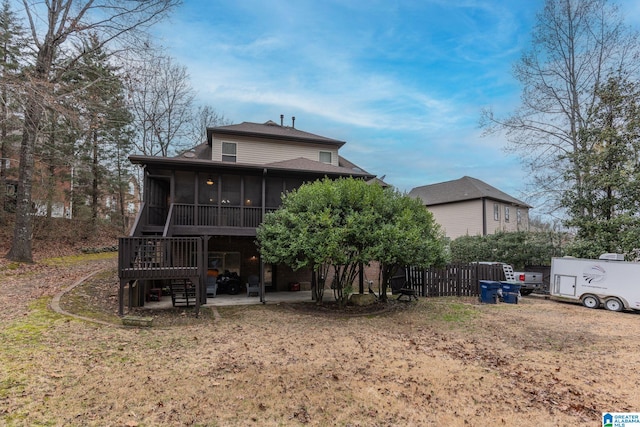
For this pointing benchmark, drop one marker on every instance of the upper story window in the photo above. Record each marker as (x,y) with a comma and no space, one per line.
(506,214)
(229,152)
(325,156)
(496,212)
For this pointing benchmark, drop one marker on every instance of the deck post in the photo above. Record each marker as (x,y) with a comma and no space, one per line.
(121,297)
(262,298)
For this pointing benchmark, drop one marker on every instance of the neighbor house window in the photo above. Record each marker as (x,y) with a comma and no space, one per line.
(506,214)
(229,152)
(325,156)
(496,212)
(519,216)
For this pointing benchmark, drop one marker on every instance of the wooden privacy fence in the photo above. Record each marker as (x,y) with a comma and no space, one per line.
(451,280)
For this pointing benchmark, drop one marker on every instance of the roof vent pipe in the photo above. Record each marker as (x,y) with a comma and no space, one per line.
(281,119)
(293,122)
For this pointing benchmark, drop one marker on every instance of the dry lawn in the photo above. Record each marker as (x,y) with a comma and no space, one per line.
(446,362)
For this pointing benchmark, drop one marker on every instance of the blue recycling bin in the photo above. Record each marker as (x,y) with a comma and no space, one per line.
(489,291)
(510,292)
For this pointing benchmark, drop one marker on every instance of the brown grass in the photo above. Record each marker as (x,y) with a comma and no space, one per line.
(438,362)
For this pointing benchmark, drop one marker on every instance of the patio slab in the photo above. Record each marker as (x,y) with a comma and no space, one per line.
(222,300)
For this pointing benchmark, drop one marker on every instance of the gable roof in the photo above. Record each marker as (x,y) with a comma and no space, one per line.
(465,188)
(196,159)
(270,130)
(304,164)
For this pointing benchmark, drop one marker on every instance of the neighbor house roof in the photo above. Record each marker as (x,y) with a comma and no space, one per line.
(465,188)
(270,130)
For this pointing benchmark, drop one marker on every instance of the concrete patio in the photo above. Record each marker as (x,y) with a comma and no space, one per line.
(241,299)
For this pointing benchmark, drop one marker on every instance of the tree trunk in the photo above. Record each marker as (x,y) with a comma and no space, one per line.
(94,184)
(22,232)
(3,158)
(51,190)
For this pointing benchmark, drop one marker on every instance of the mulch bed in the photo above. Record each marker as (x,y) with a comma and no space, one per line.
(99,295)
(332,308)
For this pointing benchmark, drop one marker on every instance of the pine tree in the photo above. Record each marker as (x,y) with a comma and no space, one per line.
(104,123)
(12,49)
(605,209)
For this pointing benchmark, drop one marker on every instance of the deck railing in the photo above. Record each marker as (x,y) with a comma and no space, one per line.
(216,216)
(159,257)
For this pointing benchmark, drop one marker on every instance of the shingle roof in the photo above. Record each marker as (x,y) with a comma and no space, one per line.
(271,130)
(193,159)
(304,164)
(465,188)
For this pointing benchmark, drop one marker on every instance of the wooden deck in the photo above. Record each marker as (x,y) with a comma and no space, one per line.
(160,258)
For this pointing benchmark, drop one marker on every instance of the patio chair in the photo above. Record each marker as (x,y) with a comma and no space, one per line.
(253,285)
(212,286)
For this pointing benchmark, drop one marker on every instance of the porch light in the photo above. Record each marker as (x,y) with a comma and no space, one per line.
(209,181)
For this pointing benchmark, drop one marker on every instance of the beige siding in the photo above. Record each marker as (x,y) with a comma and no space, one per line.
(459,219)
(502,224)
(465,218)
(255,151)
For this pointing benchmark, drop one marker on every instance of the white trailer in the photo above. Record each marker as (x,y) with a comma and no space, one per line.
(596,282)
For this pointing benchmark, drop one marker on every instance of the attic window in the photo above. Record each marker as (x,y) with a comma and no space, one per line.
(229,152)
(325,157)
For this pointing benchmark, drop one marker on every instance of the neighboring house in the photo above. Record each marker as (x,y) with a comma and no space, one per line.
(56,200)
(110,202)
(46,198)
(212,199)
(468,206)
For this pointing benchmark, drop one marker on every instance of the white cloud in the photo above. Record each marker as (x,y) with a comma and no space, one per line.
(403,83)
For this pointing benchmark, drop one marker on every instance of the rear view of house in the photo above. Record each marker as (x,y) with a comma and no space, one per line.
(218,194)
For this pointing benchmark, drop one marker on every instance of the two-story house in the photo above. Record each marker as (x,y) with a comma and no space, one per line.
(200,209)
(468,206)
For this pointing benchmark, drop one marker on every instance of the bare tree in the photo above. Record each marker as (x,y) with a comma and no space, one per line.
(53,25)
(205,117)
(576,44)
(161,99)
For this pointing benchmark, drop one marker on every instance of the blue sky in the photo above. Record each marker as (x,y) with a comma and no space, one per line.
(403,82)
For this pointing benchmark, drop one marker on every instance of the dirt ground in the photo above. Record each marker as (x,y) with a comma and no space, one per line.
(450,362)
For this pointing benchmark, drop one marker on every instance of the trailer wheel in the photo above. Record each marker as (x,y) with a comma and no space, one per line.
(590,301)
(613,304)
